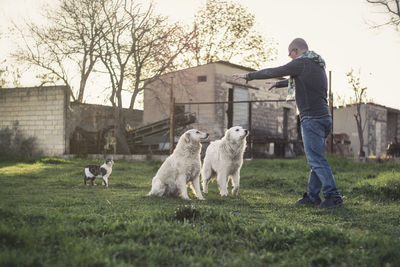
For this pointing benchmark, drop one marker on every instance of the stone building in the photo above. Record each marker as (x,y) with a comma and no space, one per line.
(60,127)
(205,91)
(381,126)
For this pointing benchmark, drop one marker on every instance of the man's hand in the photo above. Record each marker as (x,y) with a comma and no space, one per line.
(239,76)
(271,84)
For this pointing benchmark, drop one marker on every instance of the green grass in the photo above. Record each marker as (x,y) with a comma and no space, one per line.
(49,218)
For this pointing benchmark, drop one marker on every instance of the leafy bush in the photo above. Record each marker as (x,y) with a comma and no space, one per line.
(14,143)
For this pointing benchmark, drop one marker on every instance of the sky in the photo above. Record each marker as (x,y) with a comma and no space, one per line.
(339,30)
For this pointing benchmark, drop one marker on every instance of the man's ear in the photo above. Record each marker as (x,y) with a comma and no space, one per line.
(187,137)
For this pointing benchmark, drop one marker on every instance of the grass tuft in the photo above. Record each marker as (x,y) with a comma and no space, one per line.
(385,187)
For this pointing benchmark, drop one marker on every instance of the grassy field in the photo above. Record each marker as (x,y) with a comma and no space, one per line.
(49,218)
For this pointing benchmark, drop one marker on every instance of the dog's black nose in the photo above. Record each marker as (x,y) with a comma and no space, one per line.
(246,131)
(207,135)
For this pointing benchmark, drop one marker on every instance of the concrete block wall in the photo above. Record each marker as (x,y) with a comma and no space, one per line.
(40,112)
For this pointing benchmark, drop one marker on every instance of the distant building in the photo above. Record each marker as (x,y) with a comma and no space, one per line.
(60,127)
(205,92)
(381,126)
(273,125)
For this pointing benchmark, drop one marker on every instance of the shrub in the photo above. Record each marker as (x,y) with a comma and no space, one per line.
(14,143)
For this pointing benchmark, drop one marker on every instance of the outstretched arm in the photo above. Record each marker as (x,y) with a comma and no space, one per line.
(239,76)
(277,84)
(293,68)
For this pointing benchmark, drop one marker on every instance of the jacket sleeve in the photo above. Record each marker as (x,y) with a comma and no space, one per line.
(293,68)
(283,83)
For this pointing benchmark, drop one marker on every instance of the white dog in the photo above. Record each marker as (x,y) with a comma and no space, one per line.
(224,159)
(181,168)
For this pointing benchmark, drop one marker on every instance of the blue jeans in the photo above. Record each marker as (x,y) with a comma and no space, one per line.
(314,132)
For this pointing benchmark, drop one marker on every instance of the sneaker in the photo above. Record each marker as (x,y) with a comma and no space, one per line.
(307,201)
(331,202)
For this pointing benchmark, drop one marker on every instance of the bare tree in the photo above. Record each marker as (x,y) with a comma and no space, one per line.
(38,51)
(2,79)
(115,52)
(157,44)
(66,46)
(9,74)
(392,8)
(225,32)
(137,45)
(359,97)
(3,69)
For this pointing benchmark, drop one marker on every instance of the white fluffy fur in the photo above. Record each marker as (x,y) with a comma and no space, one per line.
(223,161)
(182,167)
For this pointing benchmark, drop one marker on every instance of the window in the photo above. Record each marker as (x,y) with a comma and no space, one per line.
(202,78)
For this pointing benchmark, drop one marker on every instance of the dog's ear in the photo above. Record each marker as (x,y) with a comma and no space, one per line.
(228,135)
(187,137)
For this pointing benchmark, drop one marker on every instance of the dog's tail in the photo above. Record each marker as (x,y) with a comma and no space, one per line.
(157,188)
(157,193)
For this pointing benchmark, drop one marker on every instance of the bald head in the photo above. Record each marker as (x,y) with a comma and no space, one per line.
(297,47)
(299,43)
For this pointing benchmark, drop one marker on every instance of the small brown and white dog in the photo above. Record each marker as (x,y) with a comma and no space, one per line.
(223,161)
(91,172)
(182,167)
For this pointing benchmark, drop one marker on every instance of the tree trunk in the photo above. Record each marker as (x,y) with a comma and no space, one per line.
(84,77)
(122,143)
(82,88)
(361,139)
(358,118)
(133,98)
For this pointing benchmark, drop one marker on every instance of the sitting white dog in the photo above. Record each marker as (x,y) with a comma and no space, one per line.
(180,168)
(223,161)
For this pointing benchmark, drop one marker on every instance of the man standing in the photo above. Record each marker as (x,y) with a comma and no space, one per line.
(309,83)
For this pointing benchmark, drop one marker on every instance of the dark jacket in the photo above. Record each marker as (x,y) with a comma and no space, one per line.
(311,85)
